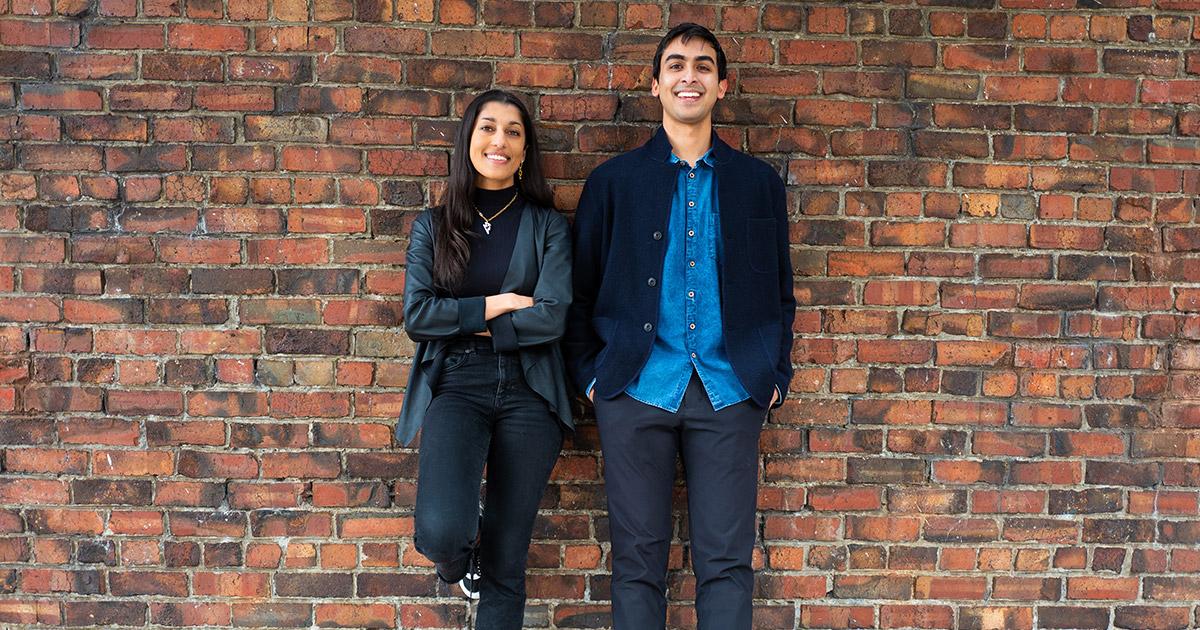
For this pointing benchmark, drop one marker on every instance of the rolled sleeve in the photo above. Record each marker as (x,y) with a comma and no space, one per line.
(470,315)
(504,333)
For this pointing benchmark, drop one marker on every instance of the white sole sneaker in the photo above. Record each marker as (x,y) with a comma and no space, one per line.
(470,584)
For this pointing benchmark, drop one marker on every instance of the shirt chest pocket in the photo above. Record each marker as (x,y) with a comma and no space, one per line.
(760,244)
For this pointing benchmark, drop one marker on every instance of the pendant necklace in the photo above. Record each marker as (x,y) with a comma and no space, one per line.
(487,221)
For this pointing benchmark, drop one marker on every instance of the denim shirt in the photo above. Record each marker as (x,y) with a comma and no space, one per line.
(689,322)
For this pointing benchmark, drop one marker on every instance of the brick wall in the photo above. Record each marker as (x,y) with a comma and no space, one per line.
(203,208)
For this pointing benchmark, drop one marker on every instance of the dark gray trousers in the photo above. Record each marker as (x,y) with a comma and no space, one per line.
(720,460)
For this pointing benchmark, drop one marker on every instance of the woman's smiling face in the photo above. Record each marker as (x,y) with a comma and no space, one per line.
(497,145)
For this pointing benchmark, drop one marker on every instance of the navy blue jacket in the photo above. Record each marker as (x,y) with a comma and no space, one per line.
(619,249)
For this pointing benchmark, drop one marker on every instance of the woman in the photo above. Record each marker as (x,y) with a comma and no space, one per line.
(487,286)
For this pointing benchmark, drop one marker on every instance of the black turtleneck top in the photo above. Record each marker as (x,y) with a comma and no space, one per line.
(491,252)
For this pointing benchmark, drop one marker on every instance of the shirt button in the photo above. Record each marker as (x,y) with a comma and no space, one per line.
(647,327)
(692,326)
(652,282)
(691,294)
(692,264)
(691,204)
(693,355)
(691,175)
(657,236)
(691,232)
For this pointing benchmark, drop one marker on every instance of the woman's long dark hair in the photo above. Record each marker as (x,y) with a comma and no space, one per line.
(451,247)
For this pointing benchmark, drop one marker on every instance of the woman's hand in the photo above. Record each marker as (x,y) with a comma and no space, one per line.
(497,305)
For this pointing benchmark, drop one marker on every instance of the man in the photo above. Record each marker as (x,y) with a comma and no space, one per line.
(680,334)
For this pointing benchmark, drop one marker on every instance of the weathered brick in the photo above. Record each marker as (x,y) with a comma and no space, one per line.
(1048,288)
(235,98)
(166,67)
(206,37)
(146,97)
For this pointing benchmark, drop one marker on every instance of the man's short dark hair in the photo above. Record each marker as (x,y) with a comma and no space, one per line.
(686,32)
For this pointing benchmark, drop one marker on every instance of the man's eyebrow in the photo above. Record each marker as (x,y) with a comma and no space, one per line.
(684,58)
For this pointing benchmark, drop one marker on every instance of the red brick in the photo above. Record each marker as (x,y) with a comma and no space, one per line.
(1020,89)
(1102,588)
(404,162)
(321,159)
(986,57)
(145,97)
(97,66)
(472,43)
(126,36)
(560,46)
(898,52)
(31,249)
(1061,60)
(535,75)
(385,39)
(206,37)
(1099,90)
(294,38)
(581,107)
(833,113)
(825,172)
(861,84)
(817,52)
(60,97)
(232,98)
(57,34)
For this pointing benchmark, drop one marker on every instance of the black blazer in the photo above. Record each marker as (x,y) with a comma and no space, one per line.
(540,267)
(619,250)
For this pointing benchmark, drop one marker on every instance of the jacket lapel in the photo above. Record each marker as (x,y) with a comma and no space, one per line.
(729,207)
(524,263)
(661,173)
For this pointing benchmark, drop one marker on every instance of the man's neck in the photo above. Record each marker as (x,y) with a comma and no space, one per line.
(689,142)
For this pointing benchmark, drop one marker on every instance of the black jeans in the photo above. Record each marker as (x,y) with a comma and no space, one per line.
(720,460)
(483,412)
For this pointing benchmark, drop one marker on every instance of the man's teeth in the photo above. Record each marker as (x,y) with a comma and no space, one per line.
(689,94)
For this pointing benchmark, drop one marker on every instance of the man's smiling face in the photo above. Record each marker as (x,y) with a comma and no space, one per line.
(688,85)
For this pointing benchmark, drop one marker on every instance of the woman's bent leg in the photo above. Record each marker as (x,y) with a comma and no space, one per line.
(455,438)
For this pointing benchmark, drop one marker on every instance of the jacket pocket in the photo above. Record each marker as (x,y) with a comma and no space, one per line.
(760,244)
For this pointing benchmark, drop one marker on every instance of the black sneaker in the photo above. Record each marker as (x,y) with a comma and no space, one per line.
(470,582)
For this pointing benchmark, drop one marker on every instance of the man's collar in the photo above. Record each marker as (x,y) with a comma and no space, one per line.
(706,159)
(660,148)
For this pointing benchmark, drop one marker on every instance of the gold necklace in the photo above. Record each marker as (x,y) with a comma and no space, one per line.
(487,221)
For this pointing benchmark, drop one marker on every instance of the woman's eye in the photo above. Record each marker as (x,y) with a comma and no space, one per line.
(487,128)
(514,133)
